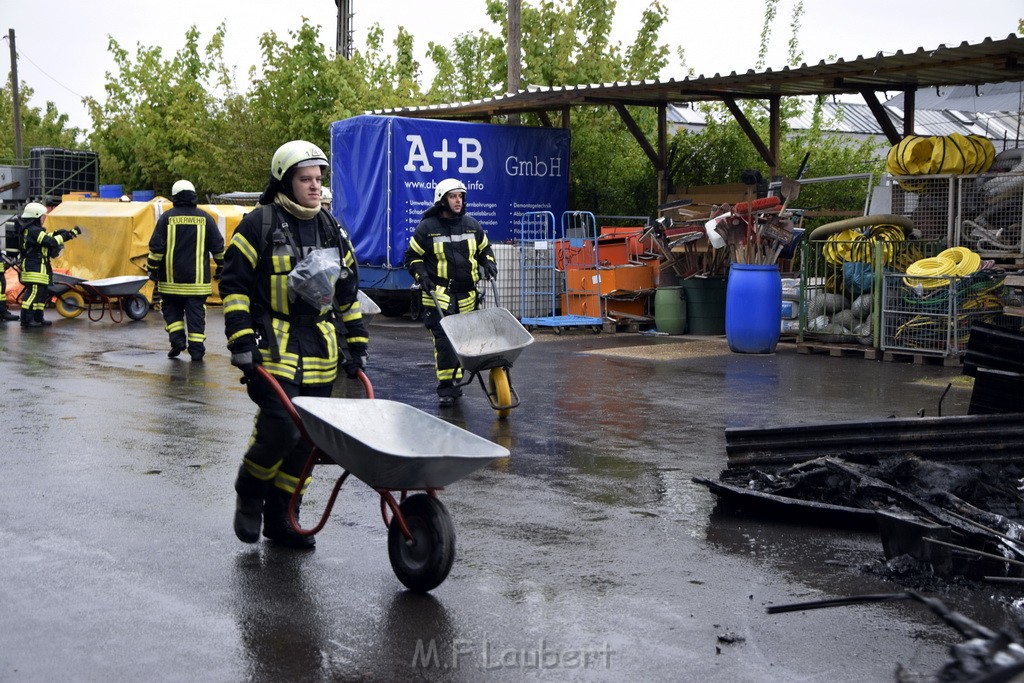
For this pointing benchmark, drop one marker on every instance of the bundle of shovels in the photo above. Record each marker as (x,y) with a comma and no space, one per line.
(686,251)
(755,231)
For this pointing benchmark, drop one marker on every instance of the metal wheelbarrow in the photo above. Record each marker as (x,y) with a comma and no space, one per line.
(487,340)
(119,296)
(392,447)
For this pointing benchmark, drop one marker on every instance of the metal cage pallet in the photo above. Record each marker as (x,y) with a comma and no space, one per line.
(841,283)
(932,315)
(983,212)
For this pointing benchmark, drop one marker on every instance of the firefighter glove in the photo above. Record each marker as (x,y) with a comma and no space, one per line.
(245,355)
(217,271)
(352,365)
(154,276)
(490,270)
(420,271)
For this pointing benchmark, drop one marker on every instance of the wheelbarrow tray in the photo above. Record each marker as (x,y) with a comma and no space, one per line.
(367,306)
(62,283)
(392,445)
(486,338)
(122,285)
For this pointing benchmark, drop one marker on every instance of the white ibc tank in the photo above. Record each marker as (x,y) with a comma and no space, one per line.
(509,279)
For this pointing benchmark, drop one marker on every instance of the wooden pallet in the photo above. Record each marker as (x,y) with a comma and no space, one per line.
(627,324)
(839,350)
(922,358)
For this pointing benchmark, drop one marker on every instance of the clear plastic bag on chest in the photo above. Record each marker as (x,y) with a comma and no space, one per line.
(314,277)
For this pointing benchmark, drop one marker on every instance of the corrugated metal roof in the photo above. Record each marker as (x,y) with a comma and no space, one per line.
(990,61)
(985,97)
(855,119)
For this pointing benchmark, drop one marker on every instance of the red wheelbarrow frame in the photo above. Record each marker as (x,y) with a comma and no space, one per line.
(387,499)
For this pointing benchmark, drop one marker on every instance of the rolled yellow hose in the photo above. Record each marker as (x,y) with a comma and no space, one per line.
(967,262)
(933,268)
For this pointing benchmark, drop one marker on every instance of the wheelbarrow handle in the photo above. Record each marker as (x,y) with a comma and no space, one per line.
(275,386)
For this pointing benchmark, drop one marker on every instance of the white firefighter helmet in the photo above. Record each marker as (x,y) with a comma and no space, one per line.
(325,194)
(296,153)
(448,185)
(33,210)
(182,186)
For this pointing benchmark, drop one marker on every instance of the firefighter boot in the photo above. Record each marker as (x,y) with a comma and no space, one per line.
(43,322)
(248,507)
(178,344)
(5,315)
(29,318)
(447,393)
(276,526)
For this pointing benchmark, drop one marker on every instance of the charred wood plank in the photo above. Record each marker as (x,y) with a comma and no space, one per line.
(811,513)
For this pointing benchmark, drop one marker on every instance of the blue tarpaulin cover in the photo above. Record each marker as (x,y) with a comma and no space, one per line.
(384,170)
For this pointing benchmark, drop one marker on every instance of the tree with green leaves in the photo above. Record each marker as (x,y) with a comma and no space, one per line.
(569,43)
(45,127)
(721,151)
(160,120)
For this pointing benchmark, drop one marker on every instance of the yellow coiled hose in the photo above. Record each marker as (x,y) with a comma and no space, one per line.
(935,271)
(967,262)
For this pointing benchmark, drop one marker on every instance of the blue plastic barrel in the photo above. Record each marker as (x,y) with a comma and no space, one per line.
(142,195)
(110,192)
(753,308)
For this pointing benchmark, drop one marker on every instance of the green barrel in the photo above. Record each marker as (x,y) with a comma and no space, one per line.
(670,310)
(705,305)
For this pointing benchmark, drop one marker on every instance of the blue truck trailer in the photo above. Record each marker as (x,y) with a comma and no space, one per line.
(384,170)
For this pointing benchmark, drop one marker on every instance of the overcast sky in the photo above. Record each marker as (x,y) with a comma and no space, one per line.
(62,44)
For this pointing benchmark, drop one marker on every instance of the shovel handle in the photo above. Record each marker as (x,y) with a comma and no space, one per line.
(437,304)
(494,291)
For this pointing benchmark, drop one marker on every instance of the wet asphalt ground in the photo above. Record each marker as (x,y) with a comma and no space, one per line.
(589,554)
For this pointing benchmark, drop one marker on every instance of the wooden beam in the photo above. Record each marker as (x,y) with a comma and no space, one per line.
(633,128)
(882,116)
(774,132)
(663,179)
(545,119)
(909,107)
(752,135)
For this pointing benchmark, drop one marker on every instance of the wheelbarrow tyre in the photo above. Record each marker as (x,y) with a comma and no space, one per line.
(70,304)
(424,563)
(500,390)
(136,306)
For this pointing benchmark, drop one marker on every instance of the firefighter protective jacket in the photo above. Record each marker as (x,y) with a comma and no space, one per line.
(180,249)
(37,248)
(451,251)
(297,342)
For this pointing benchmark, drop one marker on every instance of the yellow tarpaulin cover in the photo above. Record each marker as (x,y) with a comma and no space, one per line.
(115,235)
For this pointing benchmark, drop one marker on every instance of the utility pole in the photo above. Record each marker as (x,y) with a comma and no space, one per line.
(16,101)
(514,54)
(343,44)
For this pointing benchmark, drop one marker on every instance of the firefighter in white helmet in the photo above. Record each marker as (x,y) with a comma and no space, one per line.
(37,248)
(326,198)
(300,321)
(448,254)
(180,248)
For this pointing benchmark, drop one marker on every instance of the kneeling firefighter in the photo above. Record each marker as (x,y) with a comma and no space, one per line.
(37,248)
(290,290)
